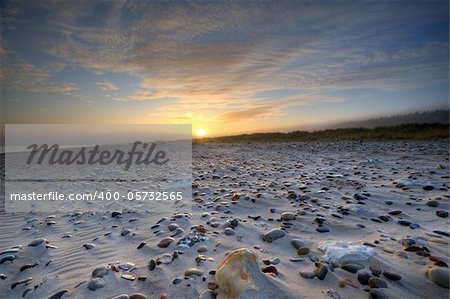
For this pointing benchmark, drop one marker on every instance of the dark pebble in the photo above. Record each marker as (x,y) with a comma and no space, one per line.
(442,214)
(378,294)
(391,276)
(376,283)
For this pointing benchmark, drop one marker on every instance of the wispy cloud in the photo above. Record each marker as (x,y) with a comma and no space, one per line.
(217,65)
(108,86)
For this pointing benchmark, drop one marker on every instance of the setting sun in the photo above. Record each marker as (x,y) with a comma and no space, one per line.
(200,132)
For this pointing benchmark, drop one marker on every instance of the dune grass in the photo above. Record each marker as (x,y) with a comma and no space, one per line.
(401,132)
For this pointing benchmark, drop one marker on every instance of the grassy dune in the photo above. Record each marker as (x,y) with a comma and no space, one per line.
(400,132)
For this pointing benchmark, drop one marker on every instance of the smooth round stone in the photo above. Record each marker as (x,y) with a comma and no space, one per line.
(388,249)
(202,248)
(177,280)
(89,246)
(228,231)
(164,243)
(296,259)
(378,294)
(375,270)
(270,269)
(307,274)
(193,271)
(303,251)
(286,216)
(442,214)
(100,272)
(391,275)
(439,276)
(433,203)
(166,258)
(95,283)
(437,240)
(376,283)
(273,235)
(177,232)
(428,188)
(352,267)
(297,243)
(363,277)
(173,226)
(322,229)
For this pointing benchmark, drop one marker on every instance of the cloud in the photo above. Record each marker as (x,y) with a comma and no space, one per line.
(252,113)
(106,85)
(198,56)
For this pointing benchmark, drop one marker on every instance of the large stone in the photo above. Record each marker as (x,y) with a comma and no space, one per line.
(439,276)
(273,235)
(239,276)
(345,252)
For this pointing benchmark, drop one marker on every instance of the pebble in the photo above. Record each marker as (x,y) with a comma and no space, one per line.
(37,242)
(433,203)
(270,269)
(297,243)
(89,246)
(388,249)
(128,277)
(375,270)
(138,296)
(439,276)
(23,281)
(376,283)
(273,235)
(151,265)
(378,294)
(437,240)
(95,283)
(363,277)
(141,245)
(391,275)
(193,271)
(177,280)
(100,272)
(173,226)
(428,188)
(321,271)
(202,248)
(323,229)
(303,251)
(352,267)
(165,258)
(228,231)
(164,243)
(7,258)
(125,232)
(307,274)
(442,214)
(286,216)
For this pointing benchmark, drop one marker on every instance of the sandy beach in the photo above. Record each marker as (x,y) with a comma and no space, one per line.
(318,220)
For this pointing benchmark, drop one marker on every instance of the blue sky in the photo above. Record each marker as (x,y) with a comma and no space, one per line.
(228,67)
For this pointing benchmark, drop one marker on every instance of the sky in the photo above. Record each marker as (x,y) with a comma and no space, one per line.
(224,67)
